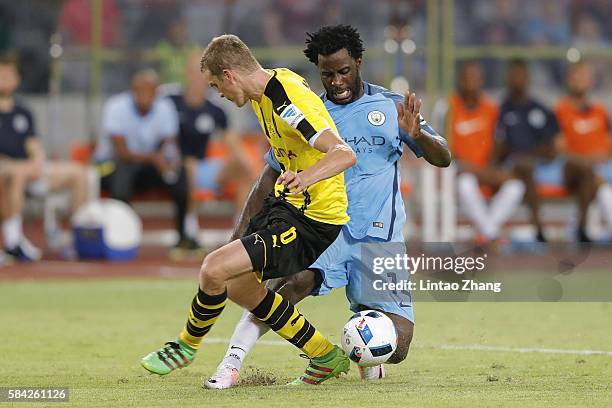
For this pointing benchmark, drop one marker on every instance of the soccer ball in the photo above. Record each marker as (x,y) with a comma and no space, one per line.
(369,338)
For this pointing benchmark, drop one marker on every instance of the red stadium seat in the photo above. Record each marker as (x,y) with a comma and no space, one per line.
(551,191)
(486,191)
(81,152)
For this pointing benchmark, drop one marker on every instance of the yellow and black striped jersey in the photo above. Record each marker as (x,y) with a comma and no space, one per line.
(292,117)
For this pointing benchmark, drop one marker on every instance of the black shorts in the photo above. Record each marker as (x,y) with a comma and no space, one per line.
(281,241)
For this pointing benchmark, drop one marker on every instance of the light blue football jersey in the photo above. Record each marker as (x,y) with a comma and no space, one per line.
(369,126)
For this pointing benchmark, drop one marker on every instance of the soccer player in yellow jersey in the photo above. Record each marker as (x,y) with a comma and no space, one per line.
(298,221)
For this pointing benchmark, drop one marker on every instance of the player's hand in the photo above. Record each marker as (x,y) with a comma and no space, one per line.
(293,181)
(409,115)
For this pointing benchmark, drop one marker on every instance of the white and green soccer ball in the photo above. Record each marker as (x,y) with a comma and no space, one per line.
(369,338)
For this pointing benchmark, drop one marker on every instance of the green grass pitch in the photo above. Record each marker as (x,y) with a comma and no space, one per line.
(90,335)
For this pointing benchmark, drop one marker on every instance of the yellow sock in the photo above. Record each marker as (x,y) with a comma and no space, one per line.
(288,322)
(205,310)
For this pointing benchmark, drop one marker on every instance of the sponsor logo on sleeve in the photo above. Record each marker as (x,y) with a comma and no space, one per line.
(292,115)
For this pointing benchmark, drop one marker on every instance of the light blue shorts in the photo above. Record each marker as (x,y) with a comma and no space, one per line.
(551,172)
(341,266)
(604,170)
(207,173)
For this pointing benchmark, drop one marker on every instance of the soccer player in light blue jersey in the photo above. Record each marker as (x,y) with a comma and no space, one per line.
(370,122)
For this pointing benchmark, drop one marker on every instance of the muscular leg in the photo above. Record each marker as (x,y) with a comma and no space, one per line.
(297,287)
(191,227)
(226,272)
(488,218)
(523,169)
(507,199)
(582,182)
(191,164)
(2,211)
(180,191)
(405,331)
(249,329)
(223,269)
(492,177)
(17,174)
(70,176)
(604,200)
(3,195)
(473,203)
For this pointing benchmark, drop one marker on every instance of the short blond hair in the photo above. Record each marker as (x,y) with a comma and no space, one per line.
(227,52)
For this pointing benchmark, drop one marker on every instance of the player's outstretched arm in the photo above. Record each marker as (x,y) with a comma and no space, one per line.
(338,157)
(260,190)
(435,148)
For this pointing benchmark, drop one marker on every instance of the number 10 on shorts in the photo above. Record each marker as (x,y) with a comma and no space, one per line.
(285,238)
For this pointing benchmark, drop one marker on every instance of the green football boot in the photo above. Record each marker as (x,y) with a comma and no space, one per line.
(323,368)
(172,356)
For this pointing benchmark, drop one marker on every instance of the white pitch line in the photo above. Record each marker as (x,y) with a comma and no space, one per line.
(477,347)
(473,347)
(222,340)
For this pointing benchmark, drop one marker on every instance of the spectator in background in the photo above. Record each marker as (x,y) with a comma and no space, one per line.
(550,25)
(601,10)
(149,20)
(286,21)
(206,19)
(585,127)
(6,26)
(588,31)
(503,25)
(32,25)
(499,25)
(199,119)
(472,119)
(171,52)
(138,148)
(75,23)
(526,136)
(23,166)
(4,259)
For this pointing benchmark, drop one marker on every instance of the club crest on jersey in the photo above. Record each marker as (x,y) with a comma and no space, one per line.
(292,115)
(204,123)
(376,118)
(20,123)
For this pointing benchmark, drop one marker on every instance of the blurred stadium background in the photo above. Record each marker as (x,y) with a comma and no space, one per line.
(74,54)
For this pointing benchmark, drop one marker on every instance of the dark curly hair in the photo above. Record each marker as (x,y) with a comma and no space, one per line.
(330,39)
